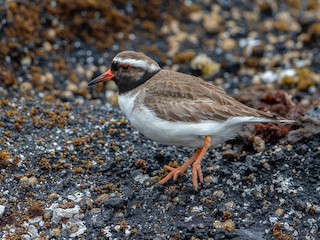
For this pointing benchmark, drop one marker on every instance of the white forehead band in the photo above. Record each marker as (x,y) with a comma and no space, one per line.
(137,63)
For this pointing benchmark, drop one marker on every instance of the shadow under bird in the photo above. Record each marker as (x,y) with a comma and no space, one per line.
(173,108)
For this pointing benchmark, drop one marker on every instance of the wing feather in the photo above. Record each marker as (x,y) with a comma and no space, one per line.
(176,96)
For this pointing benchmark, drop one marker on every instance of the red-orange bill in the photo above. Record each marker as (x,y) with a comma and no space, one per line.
(107,76)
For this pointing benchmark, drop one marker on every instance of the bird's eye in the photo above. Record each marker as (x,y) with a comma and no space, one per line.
(125,67)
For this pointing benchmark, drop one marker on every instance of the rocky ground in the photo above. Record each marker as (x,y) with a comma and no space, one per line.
(71,166)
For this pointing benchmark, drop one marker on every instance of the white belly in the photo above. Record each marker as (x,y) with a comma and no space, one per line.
(176,133)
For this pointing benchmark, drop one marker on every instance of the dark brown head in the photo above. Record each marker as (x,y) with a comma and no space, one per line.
(129,69)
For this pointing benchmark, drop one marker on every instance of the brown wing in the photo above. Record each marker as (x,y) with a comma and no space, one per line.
(179,97)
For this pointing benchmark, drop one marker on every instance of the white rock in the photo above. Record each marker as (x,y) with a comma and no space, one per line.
(269,76)
(2,209)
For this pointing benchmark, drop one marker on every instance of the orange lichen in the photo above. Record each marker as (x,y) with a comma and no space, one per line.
(4,158)
(278,234)
(141,164)
(7,77)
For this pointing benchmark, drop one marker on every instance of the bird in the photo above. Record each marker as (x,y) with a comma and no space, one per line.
(174,108)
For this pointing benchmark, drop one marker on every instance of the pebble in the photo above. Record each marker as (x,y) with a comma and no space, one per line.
(47,46)
(212,22)
(72,87)
(56,232)
(33,181)
(53,195)
(26,61)
(230,154)
(24,180)
(51,34)
(197,209)
(218,224)
(2,210)
(48,78)
(229,205)
(102,198)
(67,95)
(314,112)
(218,193)
(258,144)
(279,211)
(208,179)
(26,87)
(229,225)
(228,44)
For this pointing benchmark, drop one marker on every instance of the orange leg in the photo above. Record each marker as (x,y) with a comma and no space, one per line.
(175,172)
(196,169)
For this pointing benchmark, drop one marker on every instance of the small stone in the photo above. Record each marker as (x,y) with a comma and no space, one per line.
(212,22)
(25,87)
(51,34)
(26,61)
(228,44)
(24,180)
(258,144)
(279,211)
(229,225)
(196,16)
(72,87)
(56,232)
(67,94)
(257,195)
(229,205)
(83,84)
(49,77)
(2,210)
(73,229)
(33,181)
(53,195)
(197,209)
(47,46)
(208,179)
(218,194)
(47,215)
(117,228)
(102,198)
(217,224)
(230,154)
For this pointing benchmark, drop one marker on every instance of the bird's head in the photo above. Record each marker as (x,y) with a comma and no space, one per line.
(128,70)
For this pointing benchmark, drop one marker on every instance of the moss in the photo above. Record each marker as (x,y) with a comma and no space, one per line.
(7,77)
(278,234)
(45,164)
(206,66)
(78,170)
(184,57)
(302,80)
(4,158)
(141,164)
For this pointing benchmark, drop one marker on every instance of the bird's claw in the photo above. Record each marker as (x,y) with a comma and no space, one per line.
(174,174)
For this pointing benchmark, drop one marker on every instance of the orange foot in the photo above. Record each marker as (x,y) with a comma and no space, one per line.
(196,167)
